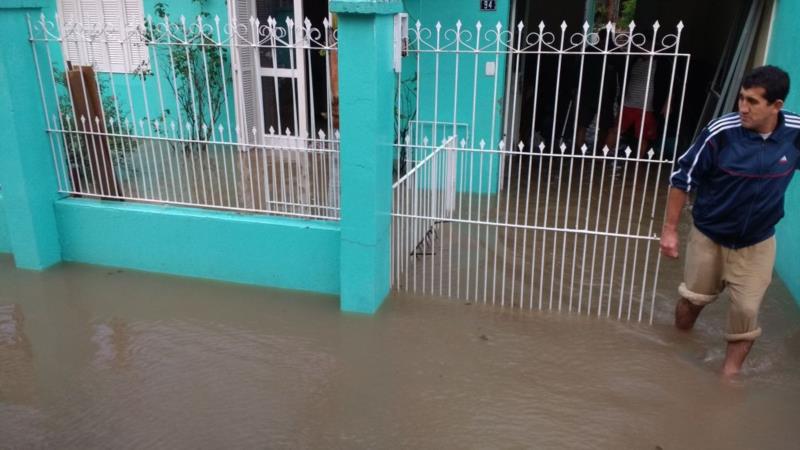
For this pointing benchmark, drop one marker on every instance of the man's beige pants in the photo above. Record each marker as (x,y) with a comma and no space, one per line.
(745,272)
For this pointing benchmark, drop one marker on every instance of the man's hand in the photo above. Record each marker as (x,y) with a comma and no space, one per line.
(669,233)
(669,242)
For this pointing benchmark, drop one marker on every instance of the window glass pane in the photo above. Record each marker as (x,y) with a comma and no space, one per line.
(277,56)
(278,104)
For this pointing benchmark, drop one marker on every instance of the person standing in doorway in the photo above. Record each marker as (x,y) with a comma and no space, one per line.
(644,94)
(598,94)
(739,167)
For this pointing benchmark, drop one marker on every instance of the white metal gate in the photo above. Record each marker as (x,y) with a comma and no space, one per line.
(508,193)
(426,190)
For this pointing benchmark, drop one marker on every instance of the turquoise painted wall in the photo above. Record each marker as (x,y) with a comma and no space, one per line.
(145,101)
(26,165)
(258,250)
(448,12)
(784,52)
(5,244)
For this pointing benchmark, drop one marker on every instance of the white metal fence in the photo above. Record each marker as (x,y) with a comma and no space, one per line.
(425,191)
(547,212)
(237,116)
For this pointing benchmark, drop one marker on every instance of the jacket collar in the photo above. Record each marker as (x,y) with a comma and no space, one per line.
(777,133)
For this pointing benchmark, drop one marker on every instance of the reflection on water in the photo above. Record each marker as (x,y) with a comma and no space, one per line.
(113,343)
(16,362)
(99,358)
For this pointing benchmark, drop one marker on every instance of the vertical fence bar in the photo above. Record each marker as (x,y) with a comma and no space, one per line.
(539,42)
(37,68)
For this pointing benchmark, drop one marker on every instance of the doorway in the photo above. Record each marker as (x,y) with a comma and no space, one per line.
(281,78)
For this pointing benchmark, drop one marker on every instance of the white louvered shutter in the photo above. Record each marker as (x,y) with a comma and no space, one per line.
(114,18)
(244,66)
(72,12)
(107,54)
(68,12)
(134,18)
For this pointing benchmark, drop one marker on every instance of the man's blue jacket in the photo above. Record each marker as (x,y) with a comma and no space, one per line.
(740,178)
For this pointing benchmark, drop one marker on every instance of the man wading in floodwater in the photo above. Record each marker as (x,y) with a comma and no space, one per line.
(740,167)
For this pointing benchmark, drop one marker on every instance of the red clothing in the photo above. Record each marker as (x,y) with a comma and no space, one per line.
(632,117)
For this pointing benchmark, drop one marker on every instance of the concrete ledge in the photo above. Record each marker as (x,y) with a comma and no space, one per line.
(249,249)
(366,6)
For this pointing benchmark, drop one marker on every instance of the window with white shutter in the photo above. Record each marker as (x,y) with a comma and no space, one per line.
(246,75)
(121,48)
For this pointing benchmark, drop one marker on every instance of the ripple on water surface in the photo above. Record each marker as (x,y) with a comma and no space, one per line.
(94,358)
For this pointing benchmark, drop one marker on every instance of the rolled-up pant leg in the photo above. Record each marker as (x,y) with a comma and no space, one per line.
(703,272)
(748,273)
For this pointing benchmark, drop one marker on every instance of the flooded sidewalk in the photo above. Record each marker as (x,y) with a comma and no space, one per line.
(94,357)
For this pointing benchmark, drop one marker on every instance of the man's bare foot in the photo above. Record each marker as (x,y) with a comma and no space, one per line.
(686,314)
(734,357)
(729,372)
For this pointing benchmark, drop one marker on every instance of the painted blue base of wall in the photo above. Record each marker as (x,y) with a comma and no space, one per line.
(264,251)
(5,243)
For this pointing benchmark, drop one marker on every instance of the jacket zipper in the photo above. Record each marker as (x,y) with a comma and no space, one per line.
(755,195)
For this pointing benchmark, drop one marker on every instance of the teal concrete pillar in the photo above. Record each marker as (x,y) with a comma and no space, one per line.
(785,53)
(27,173)
(366,92)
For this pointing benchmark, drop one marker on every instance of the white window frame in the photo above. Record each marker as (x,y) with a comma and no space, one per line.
(298,74)
(114,15)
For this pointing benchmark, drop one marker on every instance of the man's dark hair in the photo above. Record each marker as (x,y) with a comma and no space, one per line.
(773,79)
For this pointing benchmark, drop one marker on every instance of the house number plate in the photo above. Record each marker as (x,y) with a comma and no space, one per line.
(488,5)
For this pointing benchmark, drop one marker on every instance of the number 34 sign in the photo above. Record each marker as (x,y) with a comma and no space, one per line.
(488,5)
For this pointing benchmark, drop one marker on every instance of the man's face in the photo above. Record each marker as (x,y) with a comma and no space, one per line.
(756,112)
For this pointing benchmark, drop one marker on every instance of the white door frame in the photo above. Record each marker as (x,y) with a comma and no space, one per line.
(299,123)
(297,73)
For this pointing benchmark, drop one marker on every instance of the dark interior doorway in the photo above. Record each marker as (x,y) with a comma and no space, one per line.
(317,11)
(713,34)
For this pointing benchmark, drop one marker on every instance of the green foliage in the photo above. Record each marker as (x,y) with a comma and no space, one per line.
(600,13)
(196,72)
(624,16)
(627,13)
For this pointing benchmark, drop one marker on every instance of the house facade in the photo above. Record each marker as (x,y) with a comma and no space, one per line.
(452,148)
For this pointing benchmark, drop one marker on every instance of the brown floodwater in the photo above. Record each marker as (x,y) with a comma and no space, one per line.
(93,357)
